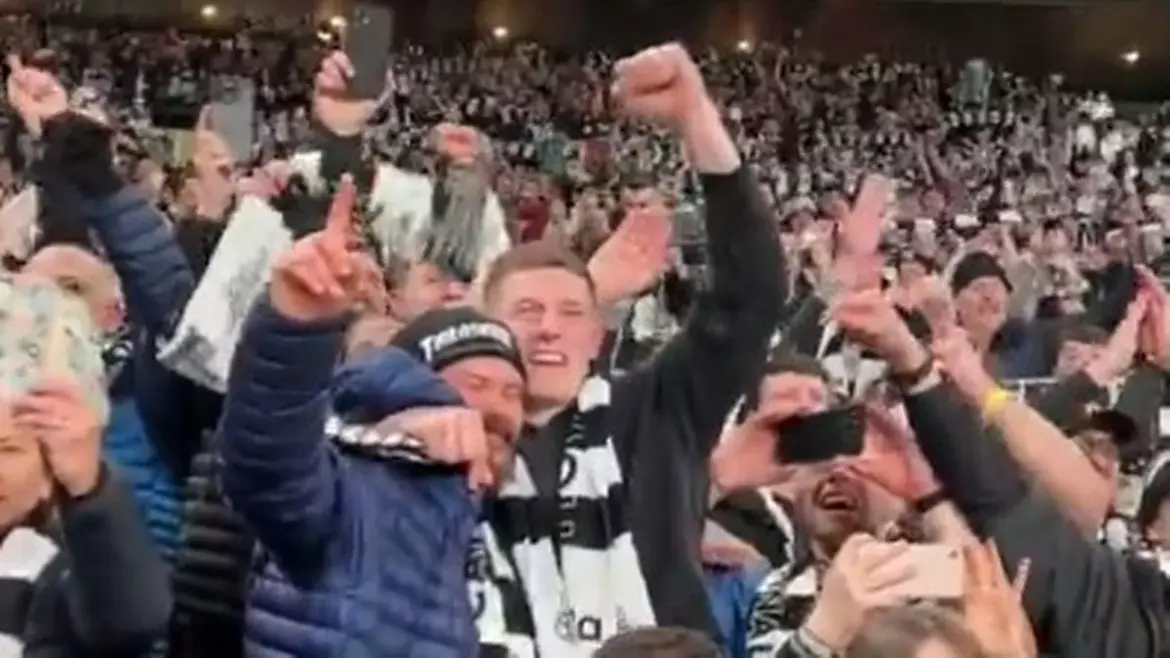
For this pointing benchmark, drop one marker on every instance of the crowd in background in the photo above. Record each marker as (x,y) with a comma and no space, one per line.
(292,356)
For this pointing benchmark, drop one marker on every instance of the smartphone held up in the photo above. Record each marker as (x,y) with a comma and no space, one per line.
(368,36)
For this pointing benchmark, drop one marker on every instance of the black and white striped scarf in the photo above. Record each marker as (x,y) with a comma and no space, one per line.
(783,600)
(559,582)
(117,348)
(24,555)
(553,583)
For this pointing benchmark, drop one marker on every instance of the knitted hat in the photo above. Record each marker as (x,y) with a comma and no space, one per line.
(442,337)
(974,266)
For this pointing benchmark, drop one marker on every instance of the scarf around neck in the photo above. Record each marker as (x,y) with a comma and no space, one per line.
(548,577)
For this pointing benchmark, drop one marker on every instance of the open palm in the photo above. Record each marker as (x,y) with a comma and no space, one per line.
(634,256)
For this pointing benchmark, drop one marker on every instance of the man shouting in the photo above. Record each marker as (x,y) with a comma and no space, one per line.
(604,510)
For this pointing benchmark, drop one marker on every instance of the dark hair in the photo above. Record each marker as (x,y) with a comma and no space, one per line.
(1078,330)
(899,631)
(659,643)
(536,255)
(782,359)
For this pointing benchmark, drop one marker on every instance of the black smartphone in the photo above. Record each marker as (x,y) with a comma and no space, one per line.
(838,432)
(368,37)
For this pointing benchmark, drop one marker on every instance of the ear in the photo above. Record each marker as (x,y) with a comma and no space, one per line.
(111,316)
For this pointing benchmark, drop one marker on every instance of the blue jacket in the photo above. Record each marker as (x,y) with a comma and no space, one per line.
(363,558)
(732,593)
(156,494)
(156,282)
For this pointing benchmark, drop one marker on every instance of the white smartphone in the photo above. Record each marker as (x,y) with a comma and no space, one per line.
(939,573)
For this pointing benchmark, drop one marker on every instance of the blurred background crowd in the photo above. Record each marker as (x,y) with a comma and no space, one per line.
(1021,157)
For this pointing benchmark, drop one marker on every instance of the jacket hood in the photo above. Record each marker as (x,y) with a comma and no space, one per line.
(386,382)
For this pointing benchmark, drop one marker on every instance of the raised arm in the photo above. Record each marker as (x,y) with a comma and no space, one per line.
(153,271)
(1084,593)
(704,369)
(277,470)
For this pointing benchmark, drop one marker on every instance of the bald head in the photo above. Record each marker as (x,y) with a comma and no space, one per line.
(82,273)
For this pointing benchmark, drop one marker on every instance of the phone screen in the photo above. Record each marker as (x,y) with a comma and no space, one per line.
(938,573)
(821,437)
(368,37)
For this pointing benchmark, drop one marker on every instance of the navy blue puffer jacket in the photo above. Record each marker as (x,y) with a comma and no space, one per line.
(362,558)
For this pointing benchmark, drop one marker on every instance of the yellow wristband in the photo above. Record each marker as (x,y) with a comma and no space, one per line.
(993,404)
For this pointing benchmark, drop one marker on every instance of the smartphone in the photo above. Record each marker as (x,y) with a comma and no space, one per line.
(938,575)
(838,432)
(369,34)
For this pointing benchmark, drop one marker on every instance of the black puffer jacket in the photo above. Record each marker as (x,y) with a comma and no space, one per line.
(211,569)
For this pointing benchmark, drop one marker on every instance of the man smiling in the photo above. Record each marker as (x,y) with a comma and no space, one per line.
(612,476)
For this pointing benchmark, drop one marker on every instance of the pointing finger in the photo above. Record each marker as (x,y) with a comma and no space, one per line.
(340,220)
(204,122)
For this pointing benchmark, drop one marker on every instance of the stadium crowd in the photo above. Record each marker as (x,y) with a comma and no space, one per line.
(545,354)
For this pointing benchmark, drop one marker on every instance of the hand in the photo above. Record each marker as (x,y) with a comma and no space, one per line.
(745,458)
(69,430)
(993,607)
(320,277)
(892,459)
(661,84)
(459,144)
(36,95)
(936,305)
(211,158)
(453,435)
(862,578)
(267,182)
(861,228)
(962,365)
(1154,336)
(634,256)
(870,319)
(859,265)
(338,113)
(1117,355)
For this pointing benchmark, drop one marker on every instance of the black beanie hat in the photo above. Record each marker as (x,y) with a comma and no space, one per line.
(442,337)
(975,266)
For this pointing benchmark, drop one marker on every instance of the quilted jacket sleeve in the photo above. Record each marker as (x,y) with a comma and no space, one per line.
(157,281)
(277,470)
(154,273)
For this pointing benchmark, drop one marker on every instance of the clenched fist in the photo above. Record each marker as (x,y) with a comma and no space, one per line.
(322,276)
(459,144)
(660,84)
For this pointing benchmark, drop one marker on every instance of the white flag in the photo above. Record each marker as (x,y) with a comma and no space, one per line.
(202,346)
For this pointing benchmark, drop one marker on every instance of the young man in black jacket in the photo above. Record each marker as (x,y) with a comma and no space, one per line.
(606,506)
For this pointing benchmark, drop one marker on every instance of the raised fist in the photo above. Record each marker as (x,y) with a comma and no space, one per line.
(460,144)
(322,276)
(660,84)
(339,113)
(36,95)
